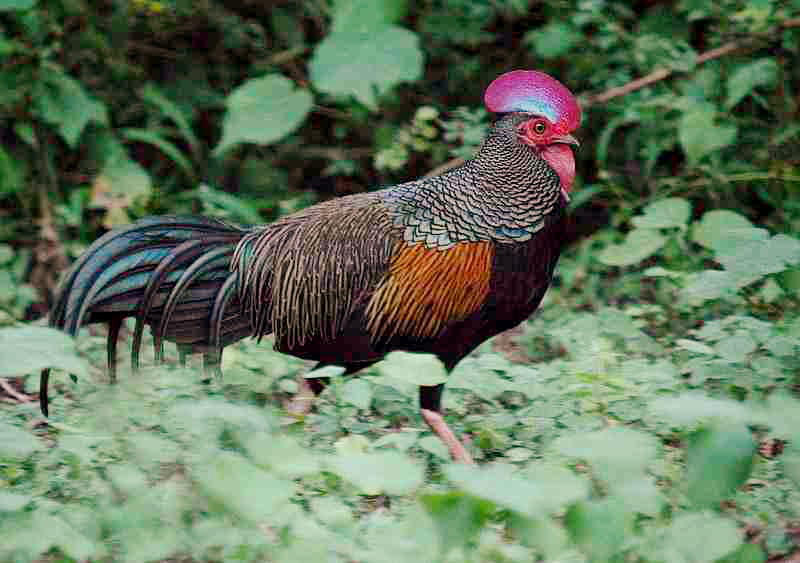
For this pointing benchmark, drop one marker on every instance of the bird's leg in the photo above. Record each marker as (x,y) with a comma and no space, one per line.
(111,346)
(430,402)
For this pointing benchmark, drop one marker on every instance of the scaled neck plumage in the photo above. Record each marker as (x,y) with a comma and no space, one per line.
(503,194)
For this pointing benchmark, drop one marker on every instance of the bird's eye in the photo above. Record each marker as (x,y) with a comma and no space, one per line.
(539,127)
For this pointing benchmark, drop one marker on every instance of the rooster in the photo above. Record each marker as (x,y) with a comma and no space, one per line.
(435,265)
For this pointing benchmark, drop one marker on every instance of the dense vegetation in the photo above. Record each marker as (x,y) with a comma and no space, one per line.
(649,412)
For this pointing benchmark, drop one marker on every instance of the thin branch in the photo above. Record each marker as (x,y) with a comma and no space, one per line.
(663,73)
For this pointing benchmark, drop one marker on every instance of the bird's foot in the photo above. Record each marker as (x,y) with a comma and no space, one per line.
(440,427)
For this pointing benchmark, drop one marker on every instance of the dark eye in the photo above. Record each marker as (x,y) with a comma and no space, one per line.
(539,127)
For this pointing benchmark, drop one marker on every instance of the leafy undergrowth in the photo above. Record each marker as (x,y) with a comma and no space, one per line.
(650,414)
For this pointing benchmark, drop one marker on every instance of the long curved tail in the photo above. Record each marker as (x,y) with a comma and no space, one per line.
(172,273)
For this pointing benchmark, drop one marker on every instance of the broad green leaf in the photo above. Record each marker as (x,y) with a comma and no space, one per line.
(638,245)
(699,538)
(434,445)
(598,527)
(357,392)
(331,511)
(64,103)
(747,553)
(690,408)
(374,473)
(419,369)
(694,346)
(719,460)
(16,443)
(366,65)
(542,534)
(537,492)
(232,481)
(736,348)
(615,453)
(720,229)
(667,213)
(746,78)
(552,40)
(458,516)
(11,502)
(709,284)
(281,454)
(121,177)
(8,5)
(27,349)
(751,260)
(263,110)
(700,135)
(366,15)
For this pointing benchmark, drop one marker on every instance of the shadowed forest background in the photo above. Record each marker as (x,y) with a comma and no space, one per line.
(649,412)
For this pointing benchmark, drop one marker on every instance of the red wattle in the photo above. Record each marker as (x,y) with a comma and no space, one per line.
(560,158)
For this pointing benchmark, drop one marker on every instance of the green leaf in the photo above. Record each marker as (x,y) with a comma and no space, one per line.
(151,94)
(721,229)
(719,460)
(28,349)
(366,65)
(694,346)
(169,149)
(553,40)
(747,553)
(667,213)
(638,245)
(64,103)
(366,15)
(746,78)
(750,261)
(419,369)
(542,534)
(16,443)
(374,473)
(699,538)
(126,177)
(690,408)
(736,348)
(615,453)
(11,173)
(699,134)
(281,454)
(357,392)
(434,445)
(538,492)
(709,284)
(232,481)
(263,110)
(8,5)
(11,502)
(598,527)
(458,517)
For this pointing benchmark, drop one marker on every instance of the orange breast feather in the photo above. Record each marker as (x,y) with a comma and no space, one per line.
(427,288)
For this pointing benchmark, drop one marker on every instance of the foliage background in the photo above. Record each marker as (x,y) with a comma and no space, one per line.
(621,423)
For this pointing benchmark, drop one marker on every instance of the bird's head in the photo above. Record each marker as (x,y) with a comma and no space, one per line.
(546,114)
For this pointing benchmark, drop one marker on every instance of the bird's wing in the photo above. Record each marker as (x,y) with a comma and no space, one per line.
(304,276)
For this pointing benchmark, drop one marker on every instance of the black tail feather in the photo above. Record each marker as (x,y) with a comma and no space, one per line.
(171,273)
